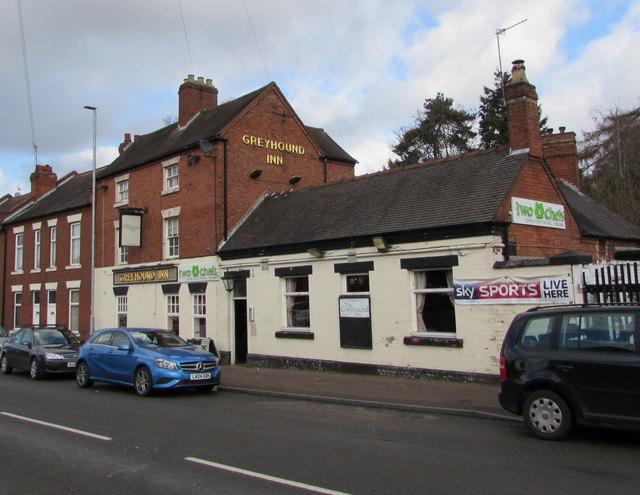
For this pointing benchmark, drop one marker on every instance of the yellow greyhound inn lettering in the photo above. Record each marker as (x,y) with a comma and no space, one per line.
(271,144)
(145,276)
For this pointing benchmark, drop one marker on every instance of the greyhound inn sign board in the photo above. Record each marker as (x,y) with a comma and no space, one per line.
(146,275)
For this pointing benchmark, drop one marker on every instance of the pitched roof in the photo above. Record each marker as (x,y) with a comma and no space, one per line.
(467,190)
(594,219)
(69,195)
(13,202)
(206,124)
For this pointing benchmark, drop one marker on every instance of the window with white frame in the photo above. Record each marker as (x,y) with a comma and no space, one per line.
(19,264)
(122,252)
(75,243)
(122,190)
(434,301)
(173,312)
(297,302)
(17,309)
(199,315)
(172,227)
(74,310)
(121,310)
(36,249)
(171,176)
(53,247)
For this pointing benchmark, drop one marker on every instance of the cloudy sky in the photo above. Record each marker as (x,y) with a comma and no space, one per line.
(359,68)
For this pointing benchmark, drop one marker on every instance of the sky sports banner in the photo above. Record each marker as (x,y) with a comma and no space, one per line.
(512,290)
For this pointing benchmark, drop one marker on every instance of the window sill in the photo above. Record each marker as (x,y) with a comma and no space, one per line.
(36,270)
(170,191)
(434,341)
(294,334)
(73,267)
(51,269)
(118,204)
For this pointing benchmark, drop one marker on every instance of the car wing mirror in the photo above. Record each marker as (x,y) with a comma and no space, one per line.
(124,347)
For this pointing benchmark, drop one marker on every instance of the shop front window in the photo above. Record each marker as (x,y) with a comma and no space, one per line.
(199,315)
(173,313)
(297,302)
(121,310)
(435,310)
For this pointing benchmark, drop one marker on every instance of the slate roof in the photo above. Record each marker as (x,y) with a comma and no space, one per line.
(464,191)
(207,124)
(10,204)
(71,194)
(594,219)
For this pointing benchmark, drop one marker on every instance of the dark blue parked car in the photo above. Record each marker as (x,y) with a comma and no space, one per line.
(147,359)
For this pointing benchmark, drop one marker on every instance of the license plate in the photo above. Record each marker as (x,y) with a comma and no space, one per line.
(71,364)
(200,376)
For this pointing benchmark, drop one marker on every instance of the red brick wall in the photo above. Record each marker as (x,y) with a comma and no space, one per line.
(202,194)
(535,183)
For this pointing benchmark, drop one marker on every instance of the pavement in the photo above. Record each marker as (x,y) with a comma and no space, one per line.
(473,399)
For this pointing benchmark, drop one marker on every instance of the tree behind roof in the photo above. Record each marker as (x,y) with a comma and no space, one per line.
(439,130)
(610,162)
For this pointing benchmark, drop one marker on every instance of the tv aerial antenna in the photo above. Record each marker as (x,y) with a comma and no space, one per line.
(500,32)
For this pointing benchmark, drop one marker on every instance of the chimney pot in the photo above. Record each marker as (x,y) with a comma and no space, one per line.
(562,129)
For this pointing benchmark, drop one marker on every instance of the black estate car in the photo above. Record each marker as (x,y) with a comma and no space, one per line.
(40,350)
(566,364)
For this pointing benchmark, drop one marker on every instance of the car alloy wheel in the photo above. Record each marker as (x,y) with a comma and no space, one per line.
(142,381)
(547,415)
(4,366)
(82,375)
(34,370)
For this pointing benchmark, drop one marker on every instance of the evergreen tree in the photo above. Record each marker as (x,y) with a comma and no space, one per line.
(439,130)
(492,114)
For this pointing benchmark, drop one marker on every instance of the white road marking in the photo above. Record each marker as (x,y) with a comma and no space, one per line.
(58,427)
(266,477)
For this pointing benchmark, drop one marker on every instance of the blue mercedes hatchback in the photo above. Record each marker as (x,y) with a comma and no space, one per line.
(147,359)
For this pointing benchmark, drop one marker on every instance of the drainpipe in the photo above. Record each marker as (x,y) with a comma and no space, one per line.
(4,277)
(226,190)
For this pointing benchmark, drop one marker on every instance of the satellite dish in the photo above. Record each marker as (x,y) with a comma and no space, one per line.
(205,146)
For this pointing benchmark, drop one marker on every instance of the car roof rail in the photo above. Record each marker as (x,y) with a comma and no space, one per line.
(584,305)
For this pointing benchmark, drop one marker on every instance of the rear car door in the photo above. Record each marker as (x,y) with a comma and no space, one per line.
(597,359)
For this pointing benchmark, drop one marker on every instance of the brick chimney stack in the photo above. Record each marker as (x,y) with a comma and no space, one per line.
(561,155)
(43,180)
(124,144)
(194,96)
(523,118)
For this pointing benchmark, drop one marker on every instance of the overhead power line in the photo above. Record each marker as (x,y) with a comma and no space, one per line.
(186,38)
(255,38)
(27,82)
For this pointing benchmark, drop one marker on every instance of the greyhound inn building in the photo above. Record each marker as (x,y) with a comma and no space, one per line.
(242,224)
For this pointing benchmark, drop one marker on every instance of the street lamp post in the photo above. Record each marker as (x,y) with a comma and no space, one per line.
(93,220)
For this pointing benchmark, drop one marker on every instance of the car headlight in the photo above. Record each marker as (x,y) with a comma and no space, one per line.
(53,355)
(167,365)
